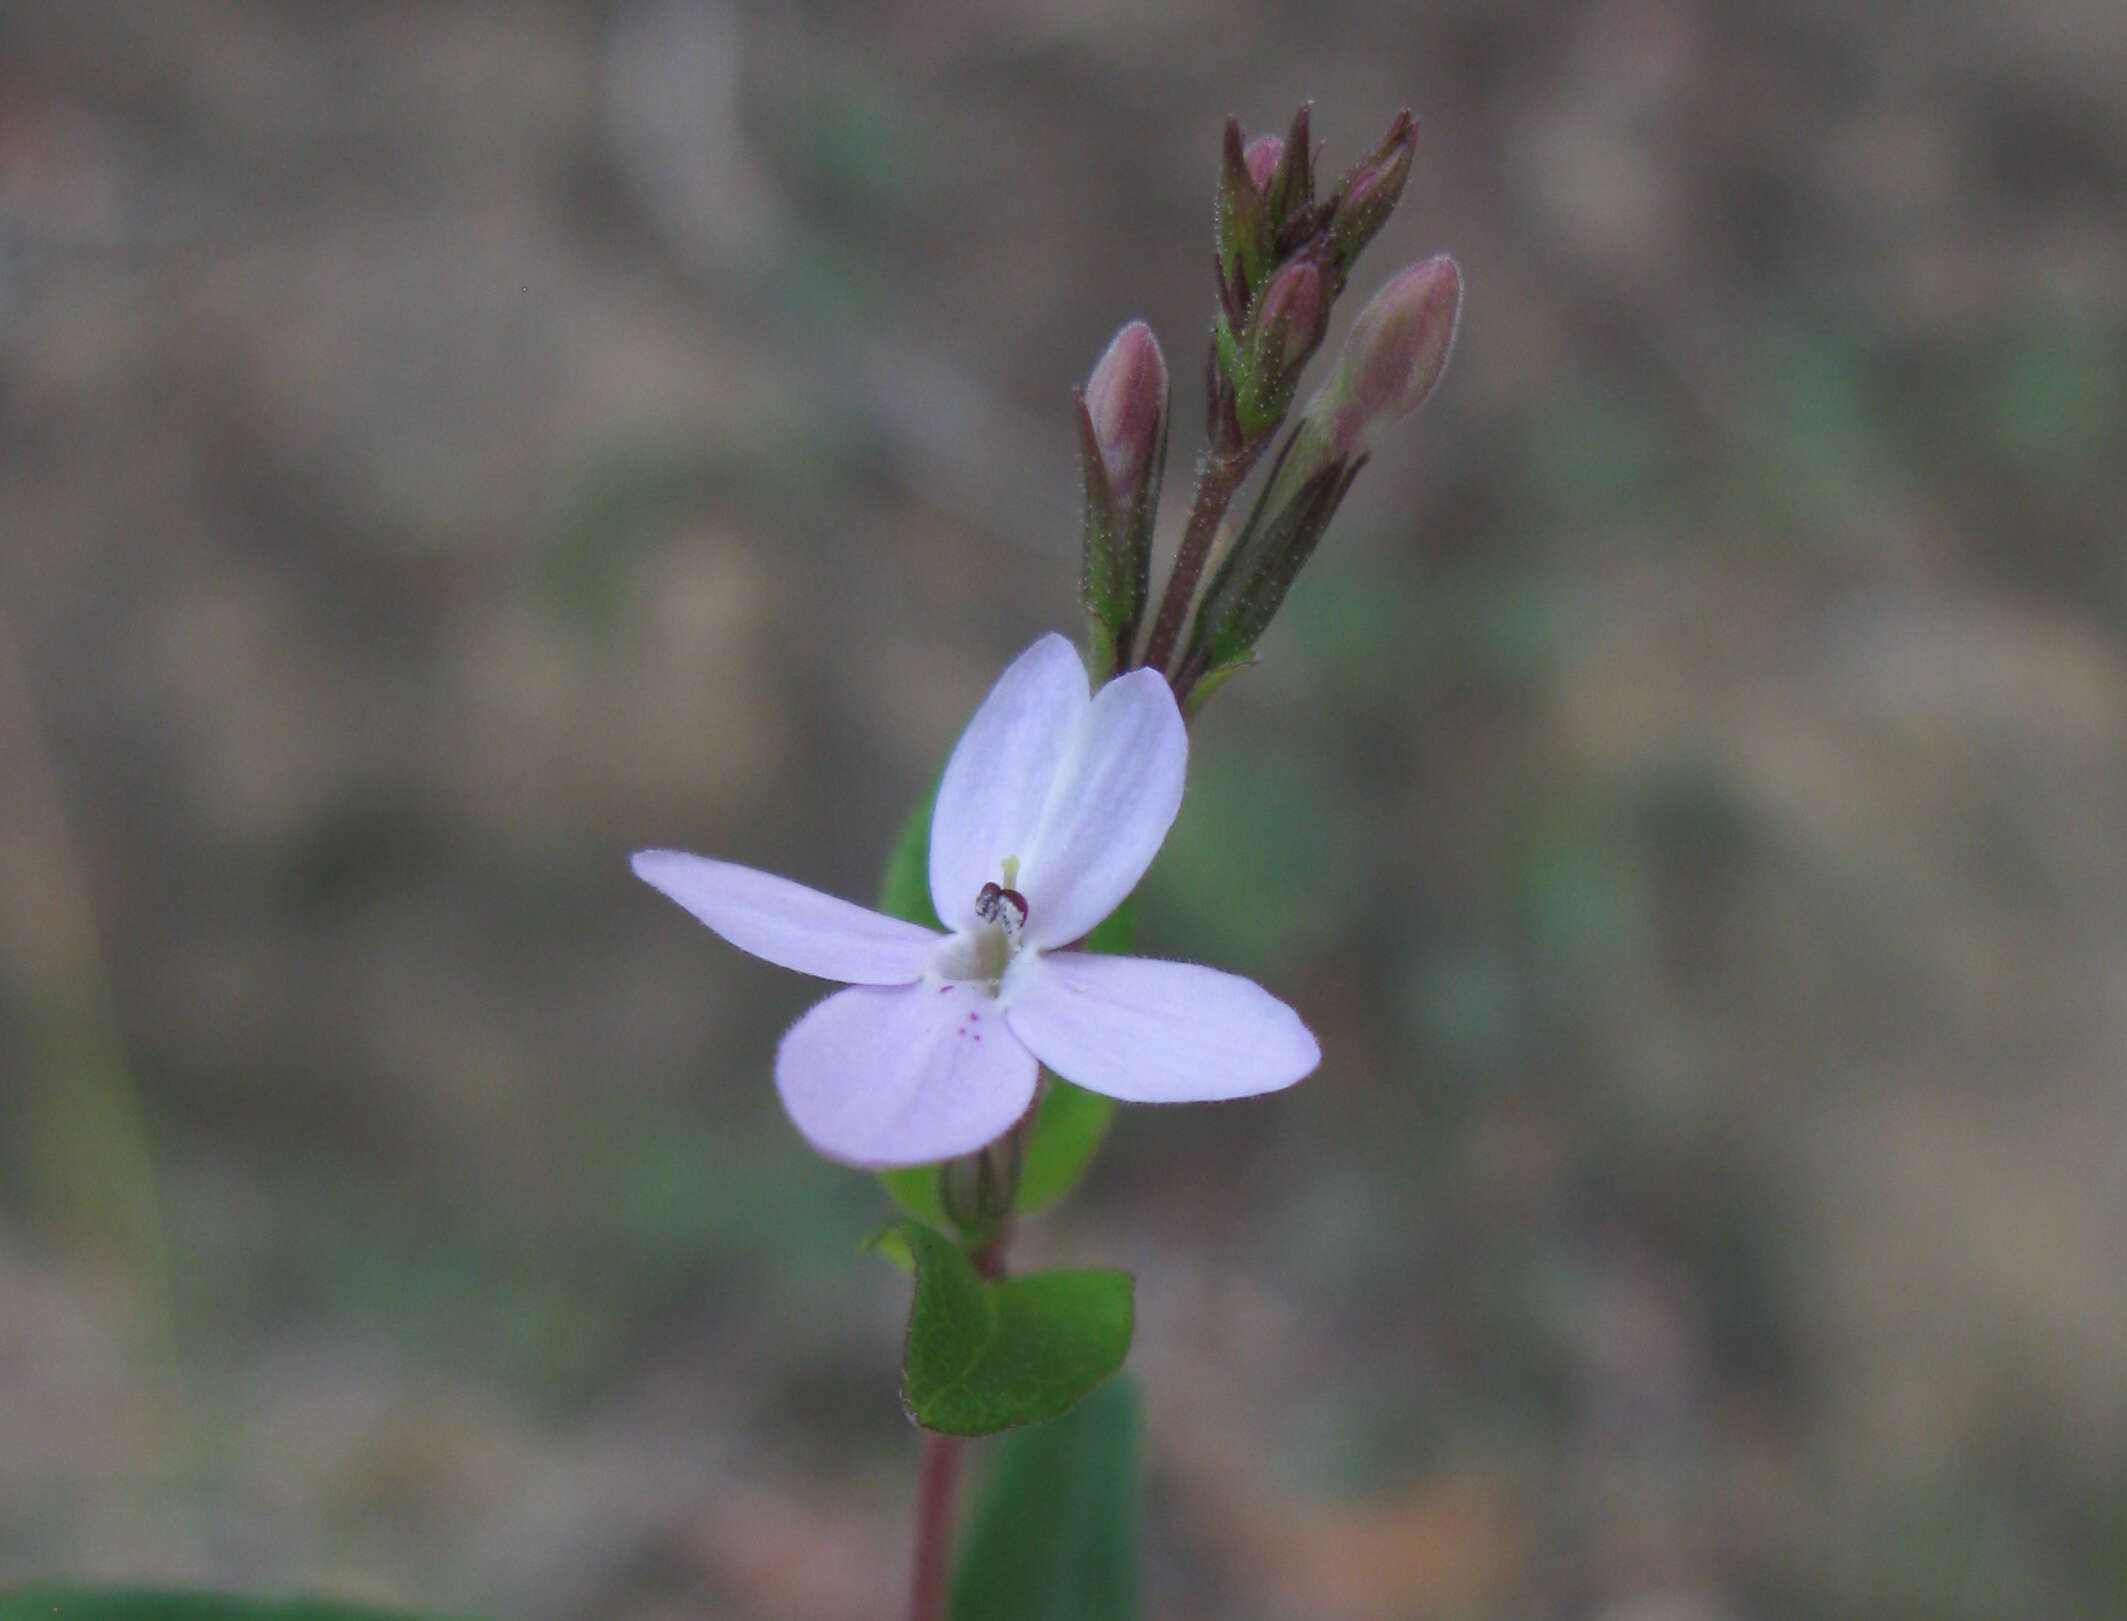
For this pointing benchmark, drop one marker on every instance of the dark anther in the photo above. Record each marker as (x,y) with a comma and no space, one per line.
(996,904)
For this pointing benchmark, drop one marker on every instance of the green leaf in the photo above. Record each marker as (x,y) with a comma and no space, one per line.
(1070,1124)
(1068,1129)
(1053,1536)
(167,1604)
(914,1189)
(983,1357)
(905,891)
(891,1247)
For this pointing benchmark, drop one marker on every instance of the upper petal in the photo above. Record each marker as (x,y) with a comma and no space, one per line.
(1108,810)
(908,1075)
(788,924)
(1001,773)
(1156,1032)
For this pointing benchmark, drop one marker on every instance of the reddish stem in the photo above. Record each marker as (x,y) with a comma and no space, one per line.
(937,1492)
(938,1481)
(1218,477)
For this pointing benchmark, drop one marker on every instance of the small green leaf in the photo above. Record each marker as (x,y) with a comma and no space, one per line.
(983,1357)
(888,1244)
(951,1322)
(167,1604)
(1053,1537)
(1227,347)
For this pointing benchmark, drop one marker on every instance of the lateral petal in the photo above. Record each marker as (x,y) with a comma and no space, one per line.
(788,924)
(1147,1031)
(906,1075)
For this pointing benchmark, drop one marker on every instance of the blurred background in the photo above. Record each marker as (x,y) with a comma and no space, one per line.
(444,447)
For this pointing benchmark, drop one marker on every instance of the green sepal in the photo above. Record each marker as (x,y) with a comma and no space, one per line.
(1368,195)
(1209,682)
(1241,227)
(1111,582)
(905,890)
(982,1357)
(1232,360)
(1289,197)
(1307,483)
(1069,1126)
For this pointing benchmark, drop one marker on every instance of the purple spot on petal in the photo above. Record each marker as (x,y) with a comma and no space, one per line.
(976,1017)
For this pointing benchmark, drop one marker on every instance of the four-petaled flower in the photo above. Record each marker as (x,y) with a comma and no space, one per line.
(1051,808)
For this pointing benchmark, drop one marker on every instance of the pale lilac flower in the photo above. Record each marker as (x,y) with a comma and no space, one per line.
(1053,804)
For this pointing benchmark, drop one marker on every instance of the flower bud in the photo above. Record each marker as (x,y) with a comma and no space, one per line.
(1285,328)
(1295,307)
(1396,353)
(1370,192)
(1261,158)
(1397,350)
(1264,184)
(1126,397)
(1122,444)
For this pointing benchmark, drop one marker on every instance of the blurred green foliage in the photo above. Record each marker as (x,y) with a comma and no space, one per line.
(1264,861)
(1053,1535)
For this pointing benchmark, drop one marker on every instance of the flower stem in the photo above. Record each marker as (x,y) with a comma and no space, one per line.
(1217,478)
(938,1481)
(937,1492)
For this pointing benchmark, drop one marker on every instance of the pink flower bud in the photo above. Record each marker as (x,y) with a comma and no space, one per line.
(1262,158)
(1284,329)
(1396,352)
(1126,398)
(1292,314)
(1370,192)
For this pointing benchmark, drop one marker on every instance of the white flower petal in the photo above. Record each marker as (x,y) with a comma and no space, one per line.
(903,1076)
(1002,772)
(1108,810)
(1156,1032)
(788,924)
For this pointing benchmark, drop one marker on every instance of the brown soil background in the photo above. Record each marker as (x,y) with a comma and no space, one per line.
(445,447)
